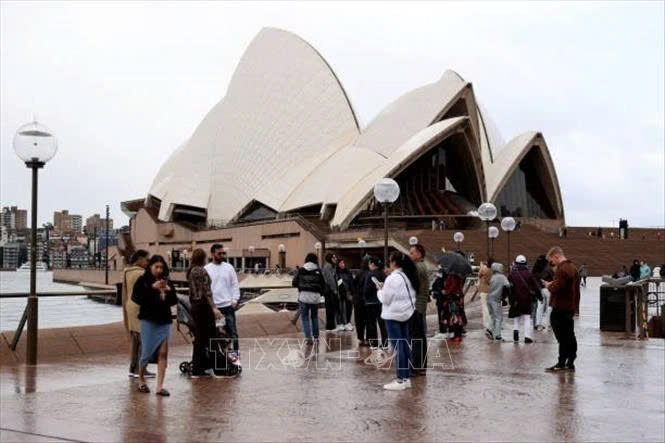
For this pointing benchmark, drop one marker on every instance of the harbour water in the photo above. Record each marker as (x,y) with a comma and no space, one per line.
(54,312)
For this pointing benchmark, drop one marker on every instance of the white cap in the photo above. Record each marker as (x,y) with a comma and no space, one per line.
(520,259)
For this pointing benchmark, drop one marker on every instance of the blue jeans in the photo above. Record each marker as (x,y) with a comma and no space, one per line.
(398,333)
(309,314)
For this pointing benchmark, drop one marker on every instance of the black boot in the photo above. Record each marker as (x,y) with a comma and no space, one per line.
(516,336)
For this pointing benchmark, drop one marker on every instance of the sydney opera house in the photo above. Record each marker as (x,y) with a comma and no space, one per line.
(281,163)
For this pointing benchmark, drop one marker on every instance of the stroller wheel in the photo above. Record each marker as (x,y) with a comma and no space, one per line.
(185,367)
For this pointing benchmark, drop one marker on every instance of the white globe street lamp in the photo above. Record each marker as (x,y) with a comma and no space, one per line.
(492,233)
(361,244)
(35,145)
(508,225)
(458,237)
(386,192)
(487,212)
(413,241)
(282,256)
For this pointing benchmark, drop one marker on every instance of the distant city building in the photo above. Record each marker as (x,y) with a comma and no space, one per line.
(96,223)
(14,218)
(63,221)
(79,257)
(4,235)
(58,258)
(13,255)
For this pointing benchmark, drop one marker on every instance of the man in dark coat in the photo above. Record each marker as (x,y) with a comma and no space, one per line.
(565,290)
(525,294)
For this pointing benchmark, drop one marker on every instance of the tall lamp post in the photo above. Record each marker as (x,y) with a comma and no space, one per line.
(106,252)
(492,233)
(508,225)
(487,213)
(282,256)
(458,237)
(361,244)
(251,257)
(386,192)
(35,145)
(318,246)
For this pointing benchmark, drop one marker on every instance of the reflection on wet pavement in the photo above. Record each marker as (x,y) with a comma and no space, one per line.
(492,392)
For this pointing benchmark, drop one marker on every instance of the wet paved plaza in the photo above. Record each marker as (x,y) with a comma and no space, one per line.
(477,391)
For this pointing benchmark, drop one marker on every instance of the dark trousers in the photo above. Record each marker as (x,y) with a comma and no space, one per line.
(418,339)
(563,327)
(230,326)
(204,330)
(373,312)
(361,320)
(345,311)
(331,310)
(135,352)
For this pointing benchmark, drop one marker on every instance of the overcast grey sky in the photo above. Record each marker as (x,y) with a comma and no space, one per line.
(123,84)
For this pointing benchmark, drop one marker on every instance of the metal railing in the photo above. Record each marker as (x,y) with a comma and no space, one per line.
(645,292)
(24,317)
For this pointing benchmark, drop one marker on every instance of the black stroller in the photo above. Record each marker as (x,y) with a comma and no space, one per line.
(217,351)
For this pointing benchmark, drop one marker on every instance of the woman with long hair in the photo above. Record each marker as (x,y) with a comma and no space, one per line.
(155,295)
(398,299)
(204,312)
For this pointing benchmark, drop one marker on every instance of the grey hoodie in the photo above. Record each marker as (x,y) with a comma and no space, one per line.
(497,283)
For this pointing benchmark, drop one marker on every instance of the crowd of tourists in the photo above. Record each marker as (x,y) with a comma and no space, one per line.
(545,295)
(387,303)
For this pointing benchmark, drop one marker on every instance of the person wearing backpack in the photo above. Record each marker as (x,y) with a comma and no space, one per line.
(525,294)
(311,286)
(398,297)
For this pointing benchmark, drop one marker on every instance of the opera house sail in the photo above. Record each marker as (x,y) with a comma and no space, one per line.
(285,142)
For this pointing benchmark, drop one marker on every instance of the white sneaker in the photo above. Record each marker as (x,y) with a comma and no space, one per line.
(398,385)
(349,327)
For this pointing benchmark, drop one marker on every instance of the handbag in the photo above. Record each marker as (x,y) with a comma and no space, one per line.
(532,293)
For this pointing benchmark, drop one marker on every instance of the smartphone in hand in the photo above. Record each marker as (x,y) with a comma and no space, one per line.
(377,283)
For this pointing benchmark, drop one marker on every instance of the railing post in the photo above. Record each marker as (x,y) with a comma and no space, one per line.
(19,329)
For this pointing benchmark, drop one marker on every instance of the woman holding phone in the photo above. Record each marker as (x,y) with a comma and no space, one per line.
(155,296)
(398,299)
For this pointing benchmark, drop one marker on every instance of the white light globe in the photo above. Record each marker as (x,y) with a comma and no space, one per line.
(458,237)
(487,212)
(251,249)
(493,232)
(362,243)
(386,190)
(508,224)
(35,142)
(282,248)
(317,245)
(413,241)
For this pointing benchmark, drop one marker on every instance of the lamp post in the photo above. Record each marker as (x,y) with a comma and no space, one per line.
(106,249)
(508,225)
(251,256)
(487,213)
(361,244)
(492,233)
(35,145)
(386,192)
(458,237)
(318,246)
(282,256)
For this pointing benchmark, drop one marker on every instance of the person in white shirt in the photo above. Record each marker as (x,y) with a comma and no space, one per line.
(225,292)
(398,299)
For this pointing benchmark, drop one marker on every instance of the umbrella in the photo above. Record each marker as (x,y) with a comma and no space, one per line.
(454,263)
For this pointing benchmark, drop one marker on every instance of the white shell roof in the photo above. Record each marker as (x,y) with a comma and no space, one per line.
(506,161)
(286,135)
